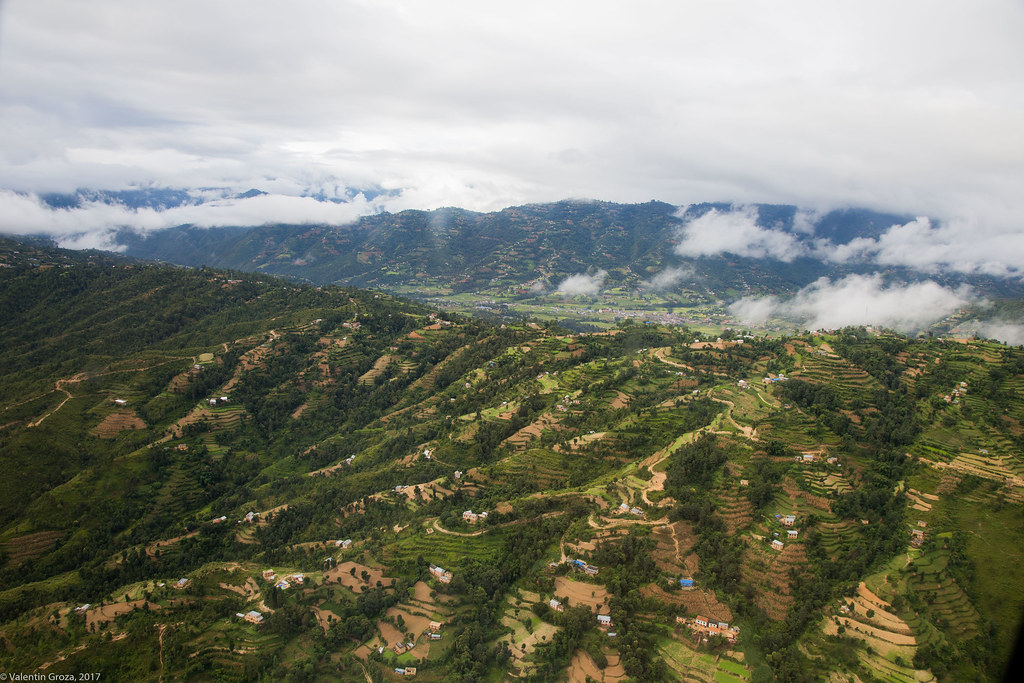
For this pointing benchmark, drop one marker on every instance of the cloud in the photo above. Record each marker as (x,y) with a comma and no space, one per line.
(960,246)
(736,232)
(809,103)
(668,278)
(857,300)
(1010,332)
(581,283)
(538,287)
(92,224)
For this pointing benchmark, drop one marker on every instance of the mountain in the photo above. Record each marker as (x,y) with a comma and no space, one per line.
(214,475)
(471,251)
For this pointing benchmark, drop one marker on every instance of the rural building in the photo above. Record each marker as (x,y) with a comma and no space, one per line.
(120,401)
(434,636)
(686,583)
(283,585)
(268,574)
(434,626)
(347,543)
(181,583)
(744,482)
(700,621)
(604,620)
(556,605)
(443,575)
(254,617)
(777,545)
(788,520)
(793,533)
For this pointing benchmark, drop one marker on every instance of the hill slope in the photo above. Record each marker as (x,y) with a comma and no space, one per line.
(139,442)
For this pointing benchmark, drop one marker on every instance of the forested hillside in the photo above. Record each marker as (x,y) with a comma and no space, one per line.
(219,476)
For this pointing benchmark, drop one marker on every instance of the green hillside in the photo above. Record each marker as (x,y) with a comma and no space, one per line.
(146,411)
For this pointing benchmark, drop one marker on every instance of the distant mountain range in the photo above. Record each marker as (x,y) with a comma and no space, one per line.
(463,250)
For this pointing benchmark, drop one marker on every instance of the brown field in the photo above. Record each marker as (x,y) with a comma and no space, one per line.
(583,668)
(341,575)
(695,601)
(27,546)
(107,613)
(579,593)
(117,422)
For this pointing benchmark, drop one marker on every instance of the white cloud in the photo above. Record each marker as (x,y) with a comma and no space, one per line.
(669,277)
(736,232)
(1010,332)
(857,300)
(457,103)
(91,224)
(582,283)
(959,246)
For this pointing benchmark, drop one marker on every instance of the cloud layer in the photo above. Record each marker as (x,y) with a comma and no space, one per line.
(452,103)
(582,283)
(961,246)
(857,300)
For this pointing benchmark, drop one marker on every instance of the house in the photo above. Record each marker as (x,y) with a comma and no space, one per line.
(434,636)
(777,545)
(254,617)
(181,583)
(400,649)
(410,671)
(268,574)
(218,520)
(604,620)
(251,516)
(807,457)
(458,474)
(81,609)
(743,384)
(921,523)
(556,605)
(793,533)
(590,569)
(443,575)
(434,626)
(297,578)
(744,482)
(120,401)
(470,517)
(724,625)
(700,621)
(788,520)
(832,460)
(636,511)
(686,583)
(623,507)
(283,584)
(680,620)
(347,543)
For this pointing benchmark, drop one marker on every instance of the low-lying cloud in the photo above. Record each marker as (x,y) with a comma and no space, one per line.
(920,244)
(737,232)
(857,300)
(93,224)
(956,245)
(668,278)
(582,283)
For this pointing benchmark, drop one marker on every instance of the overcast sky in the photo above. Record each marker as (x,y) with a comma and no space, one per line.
(915,107)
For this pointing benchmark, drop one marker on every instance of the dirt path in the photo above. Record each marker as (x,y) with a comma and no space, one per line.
(162,628)
(82,376)
(748,432)
(437,525)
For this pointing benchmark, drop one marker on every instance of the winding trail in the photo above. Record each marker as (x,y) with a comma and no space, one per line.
(437,525)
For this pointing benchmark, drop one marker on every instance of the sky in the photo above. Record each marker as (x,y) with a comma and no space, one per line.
(913,107)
